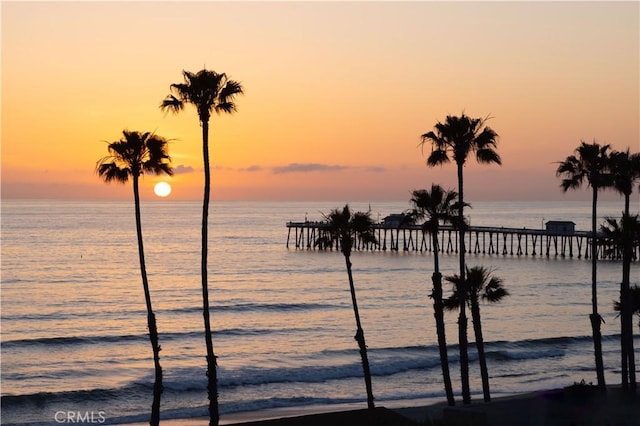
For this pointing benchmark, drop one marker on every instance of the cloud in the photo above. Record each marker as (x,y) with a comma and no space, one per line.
(307,167)
(375,169)
(254,168)
(182,169)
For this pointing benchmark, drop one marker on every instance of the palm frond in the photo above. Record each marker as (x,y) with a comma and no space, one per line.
(590,162)
(436,205)
(207,91)
(460,136)
(227,95)
(488,156)
(437,158)
(635,302)
(619,235)
(345,227)
(452,302)
(173,104)
(487,138)
(133,155)
(111,172)
(574,182)
(494,291)
(625,168)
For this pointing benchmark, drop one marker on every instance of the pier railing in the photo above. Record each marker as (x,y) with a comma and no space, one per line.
(489,240)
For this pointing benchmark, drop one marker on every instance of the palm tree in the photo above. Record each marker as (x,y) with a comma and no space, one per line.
(481,285)
(623,236)
(591,163)
(625,168)
(635,302)
(461,136)
(131,157)
(437,206)
(344,228)
(208,91)
(625,171)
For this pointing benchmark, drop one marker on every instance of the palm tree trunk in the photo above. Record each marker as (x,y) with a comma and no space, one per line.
(477,329)
(464,294)
(596,319)
(151,318)
(438,313)
(626,314)
(212,377)
(624,299)
(626,319)
(360,338)
(623,330)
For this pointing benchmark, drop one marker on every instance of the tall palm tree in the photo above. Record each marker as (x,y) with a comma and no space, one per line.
(590,163)
(208,91)
(459,137)
(625,169)
(482,285)
(344,228)
(623,236)
(437,206)
(131,157)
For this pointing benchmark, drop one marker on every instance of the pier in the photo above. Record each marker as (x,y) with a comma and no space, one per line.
(487,240)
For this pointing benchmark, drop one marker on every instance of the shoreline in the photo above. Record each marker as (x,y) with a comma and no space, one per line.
(577,404)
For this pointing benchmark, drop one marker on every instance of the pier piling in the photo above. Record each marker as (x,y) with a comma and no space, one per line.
(486,240)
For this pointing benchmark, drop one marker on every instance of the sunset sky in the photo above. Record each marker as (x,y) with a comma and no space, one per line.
(336,97)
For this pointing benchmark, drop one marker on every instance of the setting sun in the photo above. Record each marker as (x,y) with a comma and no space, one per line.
(162,189)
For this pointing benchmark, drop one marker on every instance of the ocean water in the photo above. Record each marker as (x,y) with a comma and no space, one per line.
(74,337)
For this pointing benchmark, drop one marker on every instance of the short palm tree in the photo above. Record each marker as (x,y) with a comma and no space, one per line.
(132,156)
(590,163)
(635,302)
(483,285)
(437,206)
(344,228)
(622,236)
(625,173)
(625,170)
(459,137)
(208,91)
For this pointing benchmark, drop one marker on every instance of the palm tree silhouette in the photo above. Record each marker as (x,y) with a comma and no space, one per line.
(437,206)
(208,91)
(131,157)
(635,302)
(481,285)
(461,136)
(622,237)
(591,163)
(625,169)
(344,228)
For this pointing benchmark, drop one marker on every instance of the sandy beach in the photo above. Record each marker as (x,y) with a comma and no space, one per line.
(574,405)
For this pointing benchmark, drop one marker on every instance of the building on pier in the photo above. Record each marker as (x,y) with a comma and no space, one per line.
(560,227)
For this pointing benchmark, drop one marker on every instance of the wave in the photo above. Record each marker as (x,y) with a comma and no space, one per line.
(238,307)
(129,338)
(73,340)
(261,307)
(383,362)
(322,367)
(40,398)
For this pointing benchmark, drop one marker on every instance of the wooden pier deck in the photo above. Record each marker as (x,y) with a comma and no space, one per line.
(486,240)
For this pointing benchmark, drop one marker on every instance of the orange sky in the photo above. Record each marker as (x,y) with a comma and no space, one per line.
(337,94)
